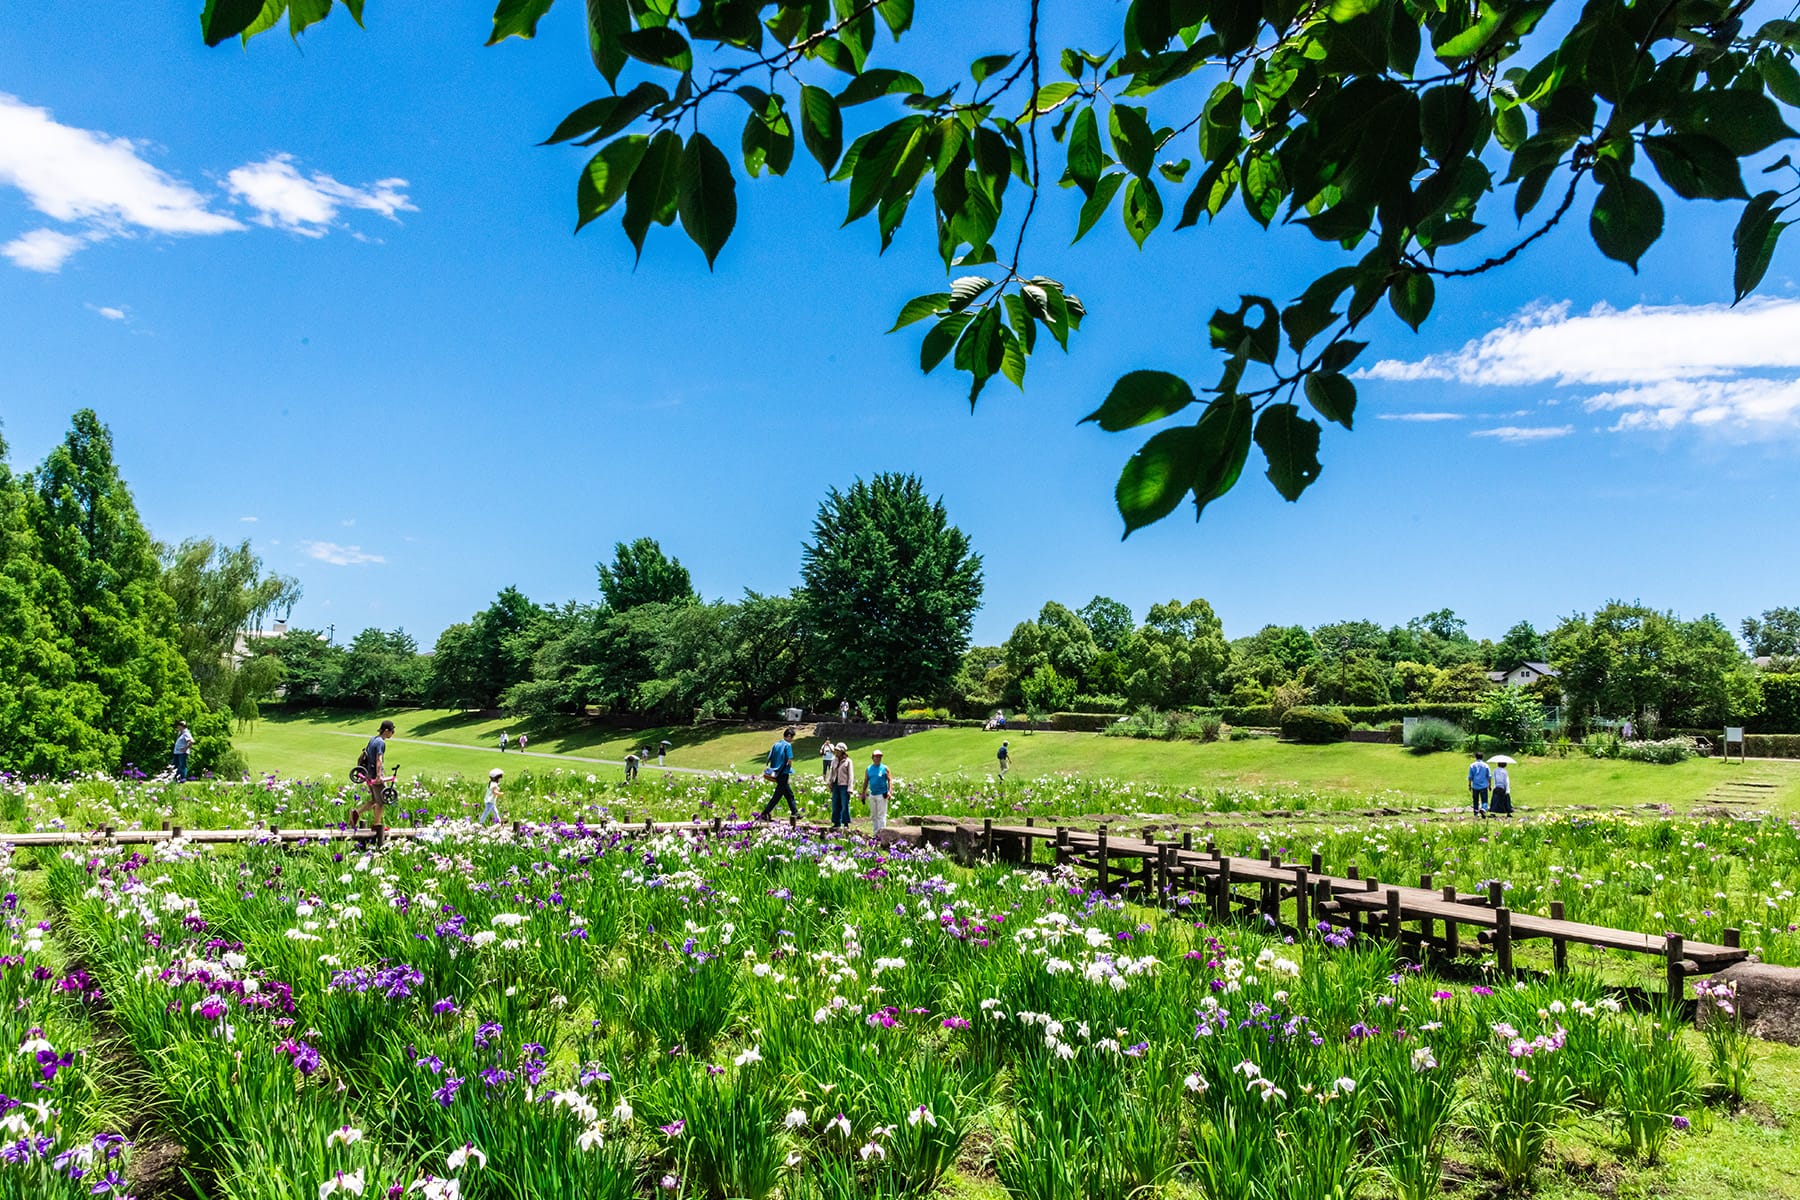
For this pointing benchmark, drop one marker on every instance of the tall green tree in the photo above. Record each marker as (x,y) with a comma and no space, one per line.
(1630,660)
(312,667)
(381,668)
(1776,633)
(476,661)
(1057,638)
(222,593)
(1521,644)
(1421,146)
(642,574)
(100,585)
(891,589)
(1178,657)
(1109,620)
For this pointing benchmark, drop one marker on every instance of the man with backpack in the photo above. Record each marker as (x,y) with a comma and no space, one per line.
(780,768)
(1005,759)
(373,762)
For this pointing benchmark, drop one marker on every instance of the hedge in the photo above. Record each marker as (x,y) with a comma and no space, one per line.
(1781,704)
(1362,714)
(1772,745)
(1315,725)
(1080,722)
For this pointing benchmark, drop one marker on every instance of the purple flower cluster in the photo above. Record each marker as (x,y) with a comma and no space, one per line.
(395,982)
(304,1057)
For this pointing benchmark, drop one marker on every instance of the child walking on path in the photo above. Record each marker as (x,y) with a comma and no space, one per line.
(492,807)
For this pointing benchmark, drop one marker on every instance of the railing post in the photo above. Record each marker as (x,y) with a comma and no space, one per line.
(1062,844)
(1496,893)
(1300,889)
(1393,914)
(1674,951)
(1503,940)
(1187,839)
(1318,863)
(1355,872)
(987,836)
(1102,859)
(1731,937)
(1559,947)
(1222,899)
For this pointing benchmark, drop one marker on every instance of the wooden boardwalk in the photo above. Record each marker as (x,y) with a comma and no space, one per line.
(1295,895)
(1292,896)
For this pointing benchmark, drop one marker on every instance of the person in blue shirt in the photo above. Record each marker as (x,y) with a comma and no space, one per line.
(876,785)
(184,744)
(1480,776)
(780,769)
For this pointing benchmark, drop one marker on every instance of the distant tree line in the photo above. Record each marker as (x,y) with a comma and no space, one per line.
(107,638)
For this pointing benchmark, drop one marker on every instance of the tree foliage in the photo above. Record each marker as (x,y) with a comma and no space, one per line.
(1178,657)
(1392,132)
(476,661)
(93,677)
(891,588)
(221,593)
(642,574)
(1629,660)
(1775,634)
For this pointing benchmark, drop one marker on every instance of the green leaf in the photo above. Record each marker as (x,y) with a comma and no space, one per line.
(1333,396)
(659,46)
(1341,354)
(606,20)
(1410,297)
(896,14)
(600,119)
(1510,127)
(1133,143)
(882,81)
(1142,210)
(302,13)
(965,290)
(1754,242)
(1085,156)
(920,307)
(706,196)
(988,65)
(1140,397)
(1012,357)
(876,156)
(1158,476)
(1228,331)
(222,19)
(517,18)
(1473,38)
(940,339)
(1747,122)
(1224,445)
(1782,80)
(606,176)
(1290,442)
(1096,205)
(1348,10)
(821,126)
(1627,219)
(1696,167)
(652,194)
(1049,98)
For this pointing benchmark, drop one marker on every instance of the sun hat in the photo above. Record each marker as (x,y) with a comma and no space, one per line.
(495,773)
(874,754)
(842,746)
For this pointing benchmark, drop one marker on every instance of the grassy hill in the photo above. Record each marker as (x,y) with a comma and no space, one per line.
(443,742)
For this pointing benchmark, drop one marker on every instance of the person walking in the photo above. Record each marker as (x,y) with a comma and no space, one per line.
(374,764)
(844,711)
(1501,801)
(184,745)
(825,762)
(503,740)
(780,768)
(662,752)
(1004,757)
(843,771)
(492,807)
(631,765)
(1480,776)
(877,784)
(521,743)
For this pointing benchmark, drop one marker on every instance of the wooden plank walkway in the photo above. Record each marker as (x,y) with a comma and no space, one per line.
(1161,870)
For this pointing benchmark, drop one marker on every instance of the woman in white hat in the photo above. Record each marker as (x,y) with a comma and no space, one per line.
(493,796)
(876,785)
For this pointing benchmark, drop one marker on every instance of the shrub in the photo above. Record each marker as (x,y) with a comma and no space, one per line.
(1429,735)
(1663,753)
(1240,733)
(1083,722)
(1100,703)
(1314,725)
(1602,745)
(1208,726)
(228,763)
(1512,714)
(1772,745)
(924,714)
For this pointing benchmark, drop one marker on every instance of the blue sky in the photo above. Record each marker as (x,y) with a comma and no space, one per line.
(328,298)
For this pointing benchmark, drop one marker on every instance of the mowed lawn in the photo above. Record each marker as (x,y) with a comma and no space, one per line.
(318,743)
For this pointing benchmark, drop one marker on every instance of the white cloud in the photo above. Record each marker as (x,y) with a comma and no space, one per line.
(309,205)
(43,250)
(108,311)
(341,556)
(1421,416)
(248,520)
(1729,369)
(99,186)
(1525,433)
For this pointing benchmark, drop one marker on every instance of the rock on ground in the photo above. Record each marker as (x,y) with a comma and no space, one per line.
(1768,999)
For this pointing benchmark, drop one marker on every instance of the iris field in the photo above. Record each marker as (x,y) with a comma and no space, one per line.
(570,1013)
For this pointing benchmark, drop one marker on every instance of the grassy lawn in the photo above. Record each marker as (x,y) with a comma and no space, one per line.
(316,743)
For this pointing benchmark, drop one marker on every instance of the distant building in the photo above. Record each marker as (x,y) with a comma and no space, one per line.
(1524,675)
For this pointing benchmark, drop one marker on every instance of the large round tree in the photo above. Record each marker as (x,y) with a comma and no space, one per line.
(891,589)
